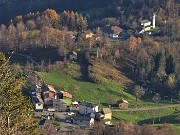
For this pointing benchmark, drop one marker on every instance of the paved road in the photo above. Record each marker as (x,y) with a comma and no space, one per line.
(147,108)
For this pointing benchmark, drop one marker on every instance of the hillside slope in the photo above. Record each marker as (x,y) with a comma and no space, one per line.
(100,93)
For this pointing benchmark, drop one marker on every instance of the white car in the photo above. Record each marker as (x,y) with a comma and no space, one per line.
(51,109)
(70,113)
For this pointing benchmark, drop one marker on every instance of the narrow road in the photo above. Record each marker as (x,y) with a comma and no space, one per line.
(147,108)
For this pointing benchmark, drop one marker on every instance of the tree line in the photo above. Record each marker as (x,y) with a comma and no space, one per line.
(46,29)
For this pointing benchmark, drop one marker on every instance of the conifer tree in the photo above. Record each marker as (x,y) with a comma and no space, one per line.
(15,108)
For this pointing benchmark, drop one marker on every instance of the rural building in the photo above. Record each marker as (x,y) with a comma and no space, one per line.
(59,105)
(147,25)
(87,108)
(75,104)
(73,56)
(123,104)
(112,31)
(83,121)
(89,34)
(48,97)
(51,88)
(38,102)
(63,94)
(105,115)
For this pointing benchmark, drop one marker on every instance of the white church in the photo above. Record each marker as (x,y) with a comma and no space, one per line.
(147,26)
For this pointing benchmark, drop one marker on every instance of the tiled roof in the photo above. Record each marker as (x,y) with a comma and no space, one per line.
(112,29)
(66,94)
(49,95)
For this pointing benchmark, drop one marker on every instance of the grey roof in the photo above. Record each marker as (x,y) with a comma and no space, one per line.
(83,118)
(87,104)
(61,101)
(37,100)
(145,21)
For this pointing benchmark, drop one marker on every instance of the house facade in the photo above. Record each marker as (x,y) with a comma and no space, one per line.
(38,102)
(123,104)
(87,108)
(59,105)
(105,116)
(107,113)
(73,56)
(48,97)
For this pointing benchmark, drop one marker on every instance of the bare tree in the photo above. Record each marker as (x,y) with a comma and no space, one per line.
(138,92)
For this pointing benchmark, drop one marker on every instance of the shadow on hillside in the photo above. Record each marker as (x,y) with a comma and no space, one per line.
(84,68)
(39,54)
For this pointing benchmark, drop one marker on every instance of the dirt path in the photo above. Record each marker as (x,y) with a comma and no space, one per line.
(147,108)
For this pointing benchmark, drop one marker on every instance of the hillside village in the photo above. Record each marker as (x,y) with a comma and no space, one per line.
(48,102)
(90,67)
(83,113)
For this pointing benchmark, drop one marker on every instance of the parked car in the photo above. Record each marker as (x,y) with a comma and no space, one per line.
(51,109)
(70,113)
(68,121)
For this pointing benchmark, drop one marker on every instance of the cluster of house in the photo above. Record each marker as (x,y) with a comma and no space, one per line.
(45,97)
(109,31)
(89,112)
(85,114)
(147,25)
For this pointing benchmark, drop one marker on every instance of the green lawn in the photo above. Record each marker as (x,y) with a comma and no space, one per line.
(171,115)
(68,101)
(99,93)
(89,91)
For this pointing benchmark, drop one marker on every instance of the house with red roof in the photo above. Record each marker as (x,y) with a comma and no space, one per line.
(48,97)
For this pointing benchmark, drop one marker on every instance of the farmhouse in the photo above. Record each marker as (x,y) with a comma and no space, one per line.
(87,108)
(88,34)
(48,97)
(38,102)
(105,115)
(72,56)
(123,104)
(59,105)
(112,31)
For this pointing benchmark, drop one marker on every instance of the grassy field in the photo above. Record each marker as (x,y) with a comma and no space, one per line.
(161,116)
(99,93)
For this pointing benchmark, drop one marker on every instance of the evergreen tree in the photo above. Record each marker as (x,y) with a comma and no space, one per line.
(15,108)
(170,65)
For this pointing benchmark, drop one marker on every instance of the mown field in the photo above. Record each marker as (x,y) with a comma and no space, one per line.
(99,93)
(160,116)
